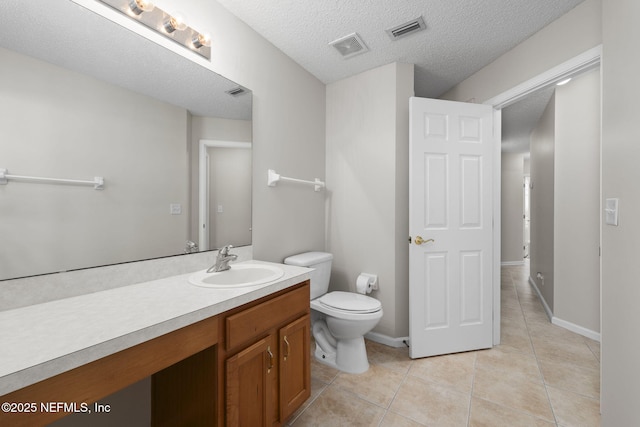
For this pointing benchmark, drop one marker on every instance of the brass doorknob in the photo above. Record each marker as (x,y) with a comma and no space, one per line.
(419,240)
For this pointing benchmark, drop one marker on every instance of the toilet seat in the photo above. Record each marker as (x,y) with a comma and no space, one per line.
(350,302)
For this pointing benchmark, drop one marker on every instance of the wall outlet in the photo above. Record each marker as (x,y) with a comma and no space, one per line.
(175,208)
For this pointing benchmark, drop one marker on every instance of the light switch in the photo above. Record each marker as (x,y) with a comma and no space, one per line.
(611,211)
(175,208)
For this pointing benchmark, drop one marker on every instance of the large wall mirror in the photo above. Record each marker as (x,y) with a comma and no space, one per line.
(83,97)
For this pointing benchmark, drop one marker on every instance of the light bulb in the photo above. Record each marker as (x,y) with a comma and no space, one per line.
(201,40)
(139,6)
(174,22)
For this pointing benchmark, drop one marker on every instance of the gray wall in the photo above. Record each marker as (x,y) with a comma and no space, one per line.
(512,209)
(542,203)
(620,245)
(577,202)
(367,173)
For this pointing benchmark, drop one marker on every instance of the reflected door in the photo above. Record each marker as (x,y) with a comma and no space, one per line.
(527,216)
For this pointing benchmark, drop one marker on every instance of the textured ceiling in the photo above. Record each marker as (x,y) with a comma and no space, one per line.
(68,35)
(462,36)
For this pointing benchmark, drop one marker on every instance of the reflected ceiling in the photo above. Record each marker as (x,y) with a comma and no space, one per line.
(46,33)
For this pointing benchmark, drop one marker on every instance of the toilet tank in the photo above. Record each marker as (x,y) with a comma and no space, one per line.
(321,262)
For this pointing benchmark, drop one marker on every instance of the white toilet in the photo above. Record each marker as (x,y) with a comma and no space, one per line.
(339,320)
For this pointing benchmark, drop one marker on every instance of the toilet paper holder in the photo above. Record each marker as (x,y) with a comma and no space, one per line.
(368,281)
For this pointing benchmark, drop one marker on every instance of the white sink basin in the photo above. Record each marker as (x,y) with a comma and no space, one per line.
(239,275)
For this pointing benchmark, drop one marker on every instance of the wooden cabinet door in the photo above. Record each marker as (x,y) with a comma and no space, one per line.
(251,378)
(295,373)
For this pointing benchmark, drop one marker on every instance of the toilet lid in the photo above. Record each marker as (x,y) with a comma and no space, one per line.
(349,301)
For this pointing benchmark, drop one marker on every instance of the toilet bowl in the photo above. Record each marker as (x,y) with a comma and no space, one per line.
(339,320)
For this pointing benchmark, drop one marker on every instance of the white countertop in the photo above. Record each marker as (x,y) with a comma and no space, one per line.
(43,340)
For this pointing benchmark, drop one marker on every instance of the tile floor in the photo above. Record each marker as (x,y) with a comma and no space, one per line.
(541,375)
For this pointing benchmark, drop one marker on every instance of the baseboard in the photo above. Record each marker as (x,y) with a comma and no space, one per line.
(387,340)
(544,303)
(563,323)
(508,263)
(576,328)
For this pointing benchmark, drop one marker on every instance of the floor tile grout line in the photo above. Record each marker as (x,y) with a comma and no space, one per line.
(395,395)
(310,403)
(544,383)
(597,356)
(515,288)
(473,383)
(326,385)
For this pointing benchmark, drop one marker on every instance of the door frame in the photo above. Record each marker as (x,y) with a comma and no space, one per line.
(203,185)
(526,202)
(585,61)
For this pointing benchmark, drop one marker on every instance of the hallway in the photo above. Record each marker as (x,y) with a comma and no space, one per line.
(540,375)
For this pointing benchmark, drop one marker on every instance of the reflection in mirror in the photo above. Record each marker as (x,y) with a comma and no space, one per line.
(225,192)
(82,97)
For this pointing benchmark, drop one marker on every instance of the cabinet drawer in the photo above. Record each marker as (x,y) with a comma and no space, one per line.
(253,321)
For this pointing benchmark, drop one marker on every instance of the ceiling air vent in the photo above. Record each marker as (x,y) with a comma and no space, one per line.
(350,45)
(236,91)
(406,29)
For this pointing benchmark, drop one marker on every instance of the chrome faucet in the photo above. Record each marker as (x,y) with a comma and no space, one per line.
(222,260)
(191,247)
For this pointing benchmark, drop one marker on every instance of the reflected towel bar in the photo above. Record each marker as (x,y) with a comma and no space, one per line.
(273,178)
(98,181)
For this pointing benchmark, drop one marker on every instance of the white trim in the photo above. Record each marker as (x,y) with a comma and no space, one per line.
(508,263)
(224,144)
(203,181)
(576,328)
(576,65)
(387,340)
(563,323)
(544,303)
(497,223)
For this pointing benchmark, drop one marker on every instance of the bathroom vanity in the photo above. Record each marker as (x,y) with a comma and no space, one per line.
(216,356)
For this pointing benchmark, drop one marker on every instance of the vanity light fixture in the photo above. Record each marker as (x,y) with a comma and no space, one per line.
(170,25)
(139,6)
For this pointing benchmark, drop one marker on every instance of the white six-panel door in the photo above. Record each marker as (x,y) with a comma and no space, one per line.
(451,202)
